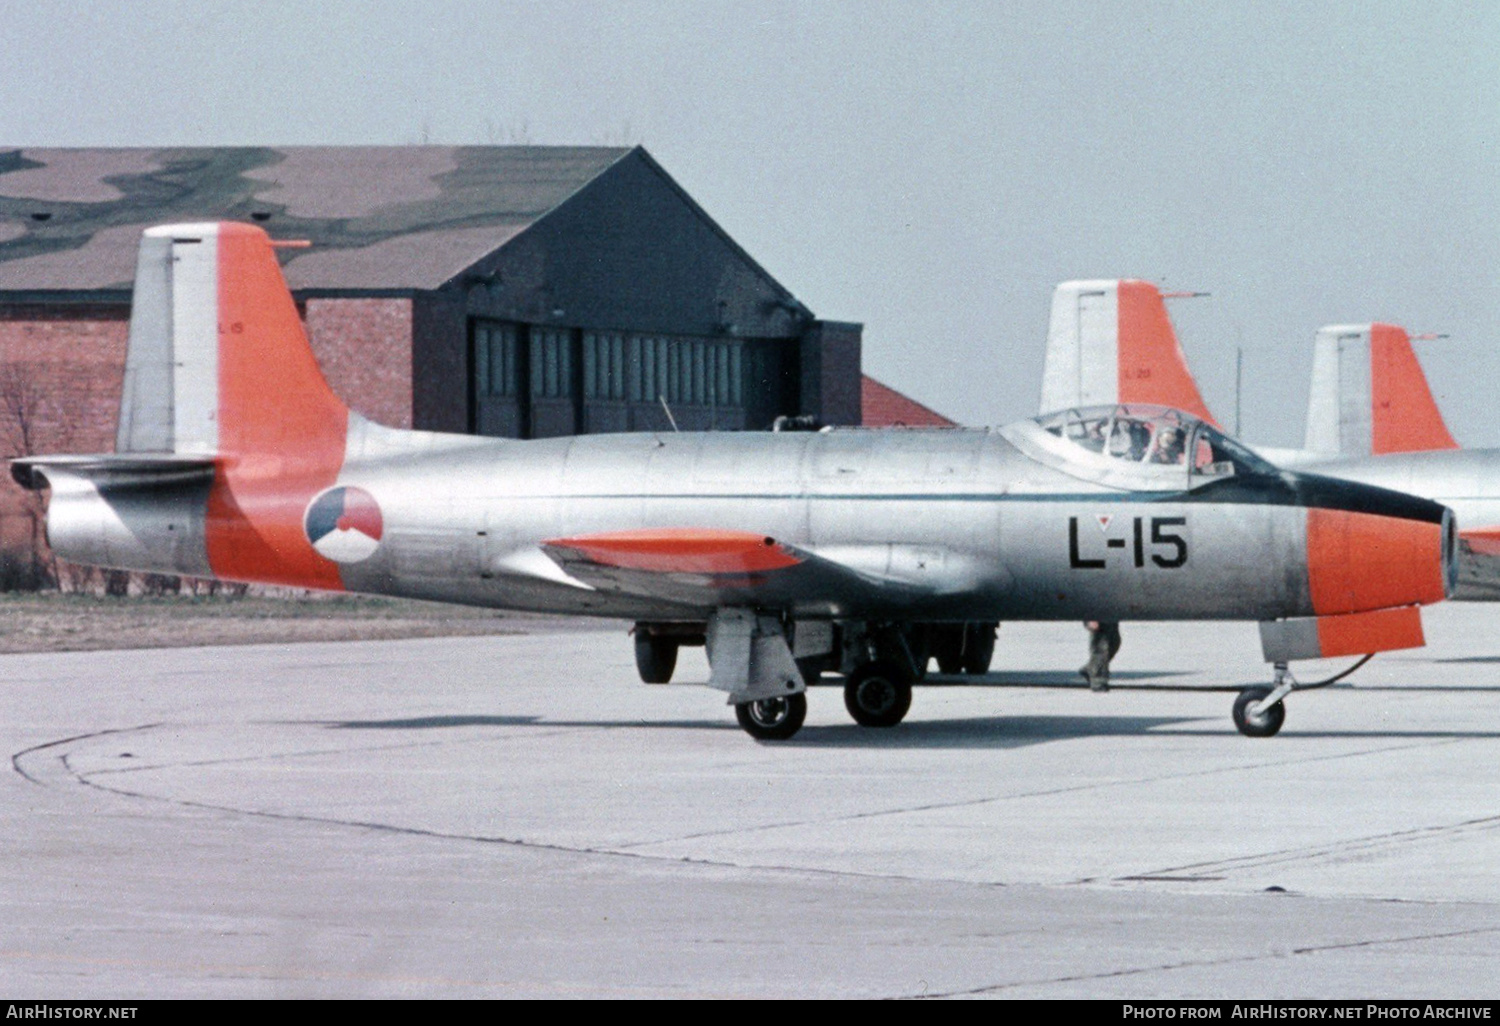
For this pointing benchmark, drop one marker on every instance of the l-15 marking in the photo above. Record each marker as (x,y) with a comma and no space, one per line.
(789,555)
(1162,534)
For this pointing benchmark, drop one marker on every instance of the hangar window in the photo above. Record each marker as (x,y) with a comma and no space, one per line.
(603,365)
(551,363)
(684,371)
(496,359)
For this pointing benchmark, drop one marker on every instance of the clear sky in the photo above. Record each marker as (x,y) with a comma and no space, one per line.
(929,169)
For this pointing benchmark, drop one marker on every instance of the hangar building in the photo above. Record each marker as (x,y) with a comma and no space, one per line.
(518,291)
(514,291)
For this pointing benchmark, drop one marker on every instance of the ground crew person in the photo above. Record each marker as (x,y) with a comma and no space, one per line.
(1104,642)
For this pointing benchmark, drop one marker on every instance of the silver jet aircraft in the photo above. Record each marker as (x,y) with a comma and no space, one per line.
(788,555)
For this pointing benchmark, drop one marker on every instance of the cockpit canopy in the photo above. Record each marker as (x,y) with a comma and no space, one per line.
(1154,438)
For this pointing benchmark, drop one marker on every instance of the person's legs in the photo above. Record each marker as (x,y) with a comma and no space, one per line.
(1104,642)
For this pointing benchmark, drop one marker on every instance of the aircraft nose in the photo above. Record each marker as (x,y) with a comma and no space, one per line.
(1371,548)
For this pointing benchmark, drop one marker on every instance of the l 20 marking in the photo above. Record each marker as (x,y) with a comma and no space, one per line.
(1169,549)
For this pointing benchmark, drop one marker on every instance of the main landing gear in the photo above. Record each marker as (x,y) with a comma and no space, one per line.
(880,661)
(961,648)
(772,719)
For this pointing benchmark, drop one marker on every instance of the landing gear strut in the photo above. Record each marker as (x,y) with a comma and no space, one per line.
(963,648)
(1258,711)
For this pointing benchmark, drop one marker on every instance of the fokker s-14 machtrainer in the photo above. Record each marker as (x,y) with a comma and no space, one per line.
(790,555)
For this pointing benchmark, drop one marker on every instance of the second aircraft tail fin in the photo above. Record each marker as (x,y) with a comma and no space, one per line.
(1111,341)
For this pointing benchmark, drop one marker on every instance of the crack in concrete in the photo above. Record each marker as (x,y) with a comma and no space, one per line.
(1167,967)
(1044,793)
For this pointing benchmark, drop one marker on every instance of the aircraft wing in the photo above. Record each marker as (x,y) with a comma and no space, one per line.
(710,568)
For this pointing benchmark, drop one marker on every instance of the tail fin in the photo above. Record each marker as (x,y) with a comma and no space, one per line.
(219,367)
(1369,395)
(218,362)
(1111,341)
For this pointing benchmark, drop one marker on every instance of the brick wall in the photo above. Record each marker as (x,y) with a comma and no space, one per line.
(364,348)
(60,377)
(61,372)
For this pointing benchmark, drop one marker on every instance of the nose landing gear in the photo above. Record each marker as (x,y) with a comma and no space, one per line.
(1259,712)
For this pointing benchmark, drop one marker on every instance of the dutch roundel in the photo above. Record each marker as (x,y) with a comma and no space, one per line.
(344,524)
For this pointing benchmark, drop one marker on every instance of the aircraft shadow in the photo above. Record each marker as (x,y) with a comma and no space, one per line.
(430,722)
(1416,688)
(988,732)
(984,732)
(1032,678)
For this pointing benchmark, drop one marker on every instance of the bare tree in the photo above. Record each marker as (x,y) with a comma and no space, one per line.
(33,420)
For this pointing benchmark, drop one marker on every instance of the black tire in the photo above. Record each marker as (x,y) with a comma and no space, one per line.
(979,647)
(878,694)
(947,647)
(1264,725)
(655,658)
(772,719)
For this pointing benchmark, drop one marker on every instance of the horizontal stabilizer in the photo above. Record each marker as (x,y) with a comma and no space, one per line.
(31,471)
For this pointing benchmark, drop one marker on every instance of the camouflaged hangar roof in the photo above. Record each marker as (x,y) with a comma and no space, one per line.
(380,217)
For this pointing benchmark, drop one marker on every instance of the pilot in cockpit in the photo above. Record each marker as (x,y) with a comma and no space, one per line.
(1170,446)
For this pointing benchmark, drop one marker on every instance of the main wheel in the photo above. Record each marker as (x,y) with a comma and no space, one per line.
(1263,725)
(878,694)
(655,657)
(979,647)
(947,647)
(772,719)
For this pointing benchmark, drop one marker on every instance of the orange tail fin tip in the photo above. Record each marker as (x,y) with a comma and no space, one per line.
(1153,368)
(1111,341)
(1404,417)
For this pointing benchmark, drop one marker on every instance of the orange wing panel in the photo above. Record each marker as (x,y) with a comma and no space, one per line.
(1484,541)
(1379,631)
(682,550)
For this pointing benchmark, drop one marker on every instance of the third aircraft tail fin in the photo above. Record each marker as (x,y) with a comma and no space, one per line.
(1369,395)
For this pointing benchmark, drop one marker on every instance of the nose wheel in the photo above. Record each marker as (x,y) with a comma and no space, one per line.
(1254,716)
